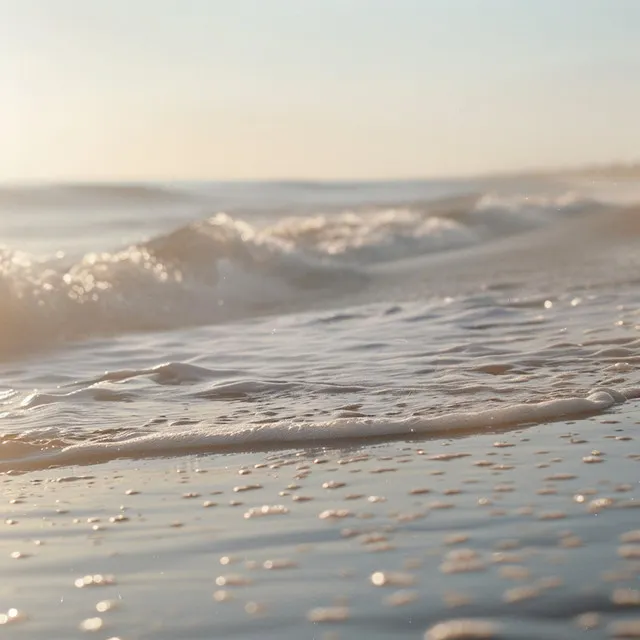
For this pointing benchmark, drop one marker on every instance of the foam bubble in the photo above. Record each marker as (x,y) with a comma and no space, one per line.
(207,438)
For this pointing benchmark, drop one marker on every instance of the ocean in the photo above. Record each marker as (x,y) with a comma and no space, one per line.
(142,320)
(320,410)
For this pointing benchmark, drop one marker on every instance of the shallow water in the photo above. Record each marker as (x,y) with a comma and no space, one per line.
(525,535)
(139,320)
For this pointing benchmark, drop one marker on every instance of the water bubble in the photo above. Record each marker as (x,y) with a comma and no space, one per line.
(266,510)
(587,621)
(333,514)
(518,594)
(92,624)
(401,598)
(233,580)
(106,605)
(463,629)
(328,614)
(396,579)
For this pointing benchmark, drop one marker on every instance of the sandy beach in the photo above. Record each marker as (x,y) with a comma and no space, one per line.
(532,533)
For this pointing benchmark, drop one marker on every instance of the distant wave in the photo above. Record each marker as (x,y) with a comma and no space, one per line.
(85,194)
(223,268)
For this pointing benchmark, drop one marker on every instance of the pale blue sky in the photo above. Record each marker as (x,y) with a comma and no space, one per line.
(188,89)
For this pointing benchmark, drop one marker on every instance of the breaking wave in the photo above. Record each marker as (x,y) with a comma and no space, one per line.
(222,268)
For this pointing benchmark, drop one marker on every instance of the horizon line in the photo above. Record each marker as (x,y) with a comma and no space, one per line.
(591,167)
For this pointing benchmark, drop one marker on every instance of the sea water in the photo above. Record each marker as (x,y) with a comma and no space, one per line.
(161,319)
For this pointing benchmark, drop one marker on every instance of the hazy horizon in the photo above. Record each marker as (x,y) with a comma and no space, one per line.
(613,169)
(162,90)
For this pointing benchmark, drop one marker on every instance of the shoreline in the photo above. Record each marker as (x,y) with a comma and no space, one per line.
(339,432)
(536,531)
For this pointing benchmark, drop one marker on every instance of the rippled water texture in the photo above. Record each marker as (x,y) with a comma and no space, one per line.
(140,320)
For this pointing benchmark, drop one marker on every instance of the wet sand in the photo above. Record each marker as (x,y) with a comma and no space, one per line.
(532,533)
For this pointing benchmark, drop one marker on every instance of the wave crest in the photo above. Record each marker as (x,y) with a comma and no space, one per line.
(221,268)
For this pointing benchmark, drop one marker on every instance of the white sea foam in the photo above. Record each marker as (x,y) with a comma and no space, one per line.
(208,438)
